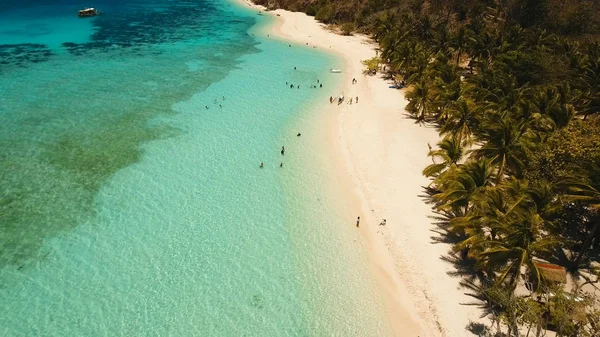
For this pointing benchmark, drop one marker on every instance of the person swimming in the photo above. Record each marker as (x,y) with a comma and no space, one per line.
(206,106)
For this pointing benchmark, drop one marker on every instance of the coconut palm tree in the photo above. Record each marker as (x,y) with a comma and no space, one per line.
(460,120)
(448,155)
(503,142)
(588,83)
(520,240)
(420,101)
(458,43)
(585,188)
(458,189)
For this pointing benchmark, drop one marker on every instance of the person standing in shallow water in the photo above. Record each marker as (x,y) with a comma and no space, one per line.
(282,150)
(261,164)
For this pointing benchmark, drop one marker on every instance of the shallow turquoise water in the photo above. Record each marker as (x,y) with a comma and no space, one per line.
(128,208)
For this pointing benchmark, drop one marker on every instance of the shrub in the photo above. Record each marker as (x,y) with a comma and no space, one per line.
(325,13)
(348,28)
(371,65)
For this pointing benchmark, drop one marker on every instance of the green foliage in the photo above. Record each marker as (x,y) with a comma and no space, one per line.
(371,65)
(564,150)
(325,13)
(347,28)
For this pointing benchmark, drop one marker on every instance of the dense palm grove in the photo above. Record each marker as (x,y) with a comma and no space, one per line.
(514,90)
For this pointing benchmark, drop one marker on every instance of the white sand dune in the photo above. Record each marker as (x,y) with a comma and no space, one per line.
(382,153)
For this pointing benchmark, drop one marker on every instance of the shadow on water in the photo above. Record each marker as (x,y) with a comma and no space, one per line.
(72,131)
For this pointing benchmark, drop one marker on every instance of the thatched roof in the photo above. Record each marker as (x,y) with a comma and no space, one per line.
(552,272)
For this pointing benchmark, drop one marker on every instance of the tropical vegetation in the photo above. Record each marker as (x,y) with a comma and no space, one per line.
(513,87)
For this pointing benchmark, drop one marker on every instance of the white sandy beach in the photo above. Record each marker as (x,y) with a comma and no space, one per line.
(382,154)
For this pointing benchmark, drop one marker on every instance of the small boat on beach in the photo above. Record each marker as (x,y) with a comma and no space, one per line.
(335,70)
(88,12)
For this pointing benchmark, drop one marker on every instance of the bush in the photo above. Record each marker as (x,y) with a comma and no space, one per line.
(348,28)
(371,65)
(311,10)
(325,14)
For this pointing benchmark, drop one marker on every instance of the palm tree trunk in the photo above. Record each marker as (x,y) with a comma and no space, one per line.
(501,170)
(587,242)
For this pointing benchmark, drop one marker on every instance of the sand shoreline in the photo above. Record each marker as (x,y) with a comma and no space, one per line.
(382,154)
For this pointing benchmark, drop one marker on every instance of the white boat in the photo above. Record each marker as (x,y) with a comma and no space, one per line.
(84,13)
(335,70)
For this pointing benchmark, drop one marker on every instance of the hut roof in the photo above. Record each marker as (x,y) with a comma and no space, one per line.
(552,272)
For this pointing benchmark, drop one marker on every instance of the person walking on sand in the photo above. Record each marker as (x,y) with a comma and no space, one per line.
(330,99)
(356,99)
(357,222)
(282,150)
(350,100)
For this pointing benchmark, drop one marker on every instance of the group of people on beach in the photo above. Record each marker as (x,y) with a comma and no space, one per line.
(382,223)
(349,102)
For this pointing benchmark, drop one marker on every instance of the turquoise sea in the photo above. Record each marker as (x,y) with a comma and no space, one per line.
(131,198)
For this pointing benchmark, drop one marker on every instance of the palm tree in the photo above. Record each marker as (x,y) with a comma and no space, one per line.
(460,120)
(482,47)
(553,105)
(450,152)
(588,83)
(503,144)
(520,240)
(420,101)
(458,43)
(587,191)
(458,189)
